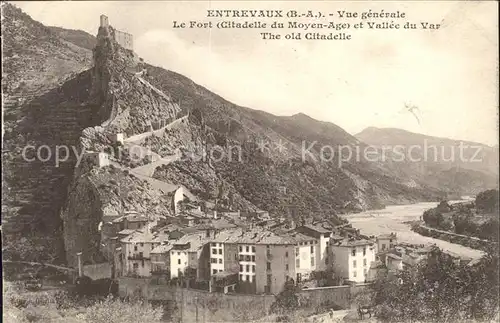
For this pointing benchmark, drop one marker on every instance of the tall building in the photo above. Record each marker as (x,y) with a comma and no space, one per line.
(352,258)
(263,260)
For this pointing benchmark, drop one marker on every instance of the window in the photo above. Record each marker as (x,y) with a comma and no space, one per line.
(241,267)
(241,249)
(364,262)
(354,263)
(248,249)
(242,257)
(268,246)
(312,249)
(353,252)
(269,280)
(286,254)
(214,251)
(383,246)
(220,261)
(142,244)
(253,268)
(247,258)
(213,244)
(248,277)
(214,271)
(268,266)
(286,267)
(220,251)
(253,248)
(135,248)
(297,263)
(136,266)
(253,258)
(248,268)
(213,260)
(241,277)
(312,262)
(354,274)
(140,254)
(178,261)
(364,251)
(390,240)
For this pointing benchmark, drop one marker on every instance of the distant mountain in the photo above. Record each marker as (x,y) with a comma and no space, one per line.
(464,166)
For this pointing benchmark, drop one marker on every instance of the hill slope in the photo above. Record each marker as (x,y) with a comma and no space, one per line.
(459,166)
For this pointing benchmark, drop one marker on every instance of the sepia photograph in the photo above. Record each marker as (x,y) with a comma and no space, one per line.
(250,161)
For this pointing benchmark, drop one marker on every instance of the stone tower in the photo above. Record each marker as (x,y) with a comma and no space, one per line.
(104,21)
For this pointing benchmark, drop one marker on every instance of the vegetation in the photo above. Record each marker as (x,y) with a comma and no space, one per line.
(287,300)
(439,290)
(479,219)
(487,201)
(63,306)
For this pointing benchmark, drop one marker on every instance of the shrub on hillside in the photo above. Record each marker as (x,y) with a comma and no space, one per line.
(487,201)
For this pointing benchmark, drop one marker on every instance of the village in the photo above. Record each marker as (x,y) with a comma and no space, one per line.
(246,252)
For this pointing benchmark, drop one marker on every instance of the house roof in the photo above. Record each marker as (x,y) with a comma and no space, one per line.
(145,236)
(316,228)
(196,241)
(163,248)
(223,274)
(393,256)
(387,236)
(126,232)
(353,243)
(259,236)
(136,218)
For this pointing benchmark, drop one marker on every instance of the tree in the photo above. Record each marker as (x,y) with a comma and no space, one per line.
(287,300)
(487,201)
(439,290)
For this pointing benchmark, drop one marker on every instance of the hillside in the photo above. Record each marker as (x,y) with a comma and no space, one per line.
(458,166)
(119,93)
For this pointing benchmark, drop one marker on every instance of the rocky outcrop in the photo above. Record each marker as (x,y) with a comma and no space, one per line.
(120,102)
(104,191)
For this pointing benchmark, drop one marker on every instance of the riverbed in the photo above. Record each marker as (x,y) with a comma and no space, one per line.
(393,218)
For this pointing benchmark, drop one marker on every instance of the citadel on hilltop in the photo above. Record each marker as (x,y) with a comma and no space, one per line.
(126,40)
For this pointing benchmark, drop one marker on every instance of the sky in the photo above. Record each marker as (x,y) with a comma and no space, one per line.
(450,74)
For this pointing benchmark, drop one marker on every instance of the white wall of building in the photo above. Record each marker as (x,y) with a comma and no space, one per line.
(305,260)
(179,260)
(353,262)
(248,262)
(141,267)
(216,257)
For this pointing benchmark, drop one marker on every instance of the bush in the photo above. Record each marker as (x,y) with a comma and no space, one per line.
(117,311)
(487,201)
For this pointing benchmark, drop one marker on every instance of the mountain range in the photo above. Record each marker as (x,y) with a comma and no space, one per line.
(67,87)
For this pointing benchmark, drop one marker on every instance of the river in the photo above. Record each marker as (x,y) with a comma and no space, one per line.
(392,218)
